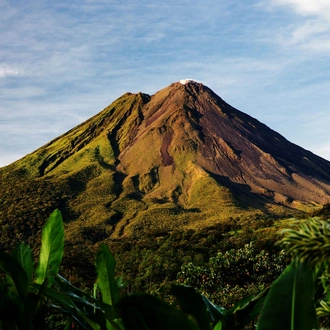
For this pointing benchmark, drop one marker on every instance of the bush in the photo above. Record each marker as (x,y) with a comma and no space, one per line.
(230,275)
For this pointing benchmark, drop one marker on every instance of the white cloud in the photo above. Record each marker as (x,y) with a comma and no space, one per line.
(308,7)
(186,81)
(7,71)
(310,29)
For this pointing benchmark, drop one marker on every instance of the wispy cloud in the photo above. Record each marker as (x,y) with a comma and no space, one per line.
(7,71)
(307,7)
(311,31)
(62,62)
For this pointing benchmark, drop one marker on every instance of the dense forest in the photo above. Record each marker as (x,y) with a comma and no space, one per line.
(285,285)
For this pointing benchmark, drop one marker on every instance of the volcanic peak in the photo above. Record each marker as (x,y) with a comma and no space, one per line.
(186,81)
(180,149)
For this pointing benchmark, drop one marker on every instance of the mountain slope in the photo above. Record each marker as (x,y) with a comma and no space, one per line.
(179,158)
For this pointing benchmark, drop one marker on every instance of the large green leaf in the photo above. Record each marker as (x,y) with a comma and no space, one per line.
(290,302)
(105,269)
(244,311)
(15,276)
(73,293)
(23,255)
(52,246)
(95,312)
(205,312)
(14,293)
(67,306)
(193,304)
(107,284)
(218,326)
(144,312)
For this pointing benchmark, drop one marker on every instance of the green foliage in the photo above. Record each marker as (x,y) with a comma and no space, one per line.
(290,304)
(105,266)
(25,293)
(323,213)
(23,255)
(142,312)
(298,299)
(311,243)
(27,297)
(209,315)
(231,275)
(33,295)
(302,291)
(52,247)
(106,283)
(194,311)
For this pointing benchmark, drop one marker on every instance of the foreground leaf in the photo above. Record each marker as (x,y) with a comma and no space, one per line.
(144,312)
(94,312)
(23,254)
(15,276)
(107,284)
(52,246)
(105,268)
(75,294)
(193,303)
(67,306)
(289,304)
(244,311)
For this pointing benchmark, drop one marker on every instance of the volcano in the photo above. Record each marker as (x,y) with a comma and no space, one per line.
(182,157)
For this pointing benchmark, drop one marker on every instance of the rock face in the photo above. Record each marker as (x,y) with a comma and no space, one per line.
(188,128)
(181,157)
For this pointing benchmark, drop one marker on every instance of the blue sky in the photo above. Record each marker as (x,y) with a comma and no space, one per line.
(63,61)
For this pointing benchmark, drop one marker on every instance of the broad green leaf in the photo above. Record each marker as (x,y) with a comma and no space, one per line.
(67,306)
(289,304)
(52,246)
(23,255)
(218,326)
(144,312)
(66,288)
(216,312)
(204,311)
(105,269)
(244,311)
(77,295)
(67,325)
(95,310)
(119,324)
(192,303)
(120,283)
(92,324)
(15,275)
(59,299)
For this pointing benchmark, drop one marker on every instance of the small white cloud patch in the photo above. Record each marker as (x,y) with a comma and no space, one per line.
(185,81)
(6,71)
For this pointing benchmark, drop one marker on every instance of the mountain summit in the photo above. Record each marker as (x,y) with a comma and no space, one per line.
(181,157)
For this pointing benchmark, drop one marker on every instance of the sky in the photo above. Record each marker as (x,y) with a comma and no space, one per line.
(62,62)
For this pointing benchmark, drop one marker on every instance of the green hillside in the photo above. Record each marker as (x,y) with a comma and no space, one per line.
(166,179)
